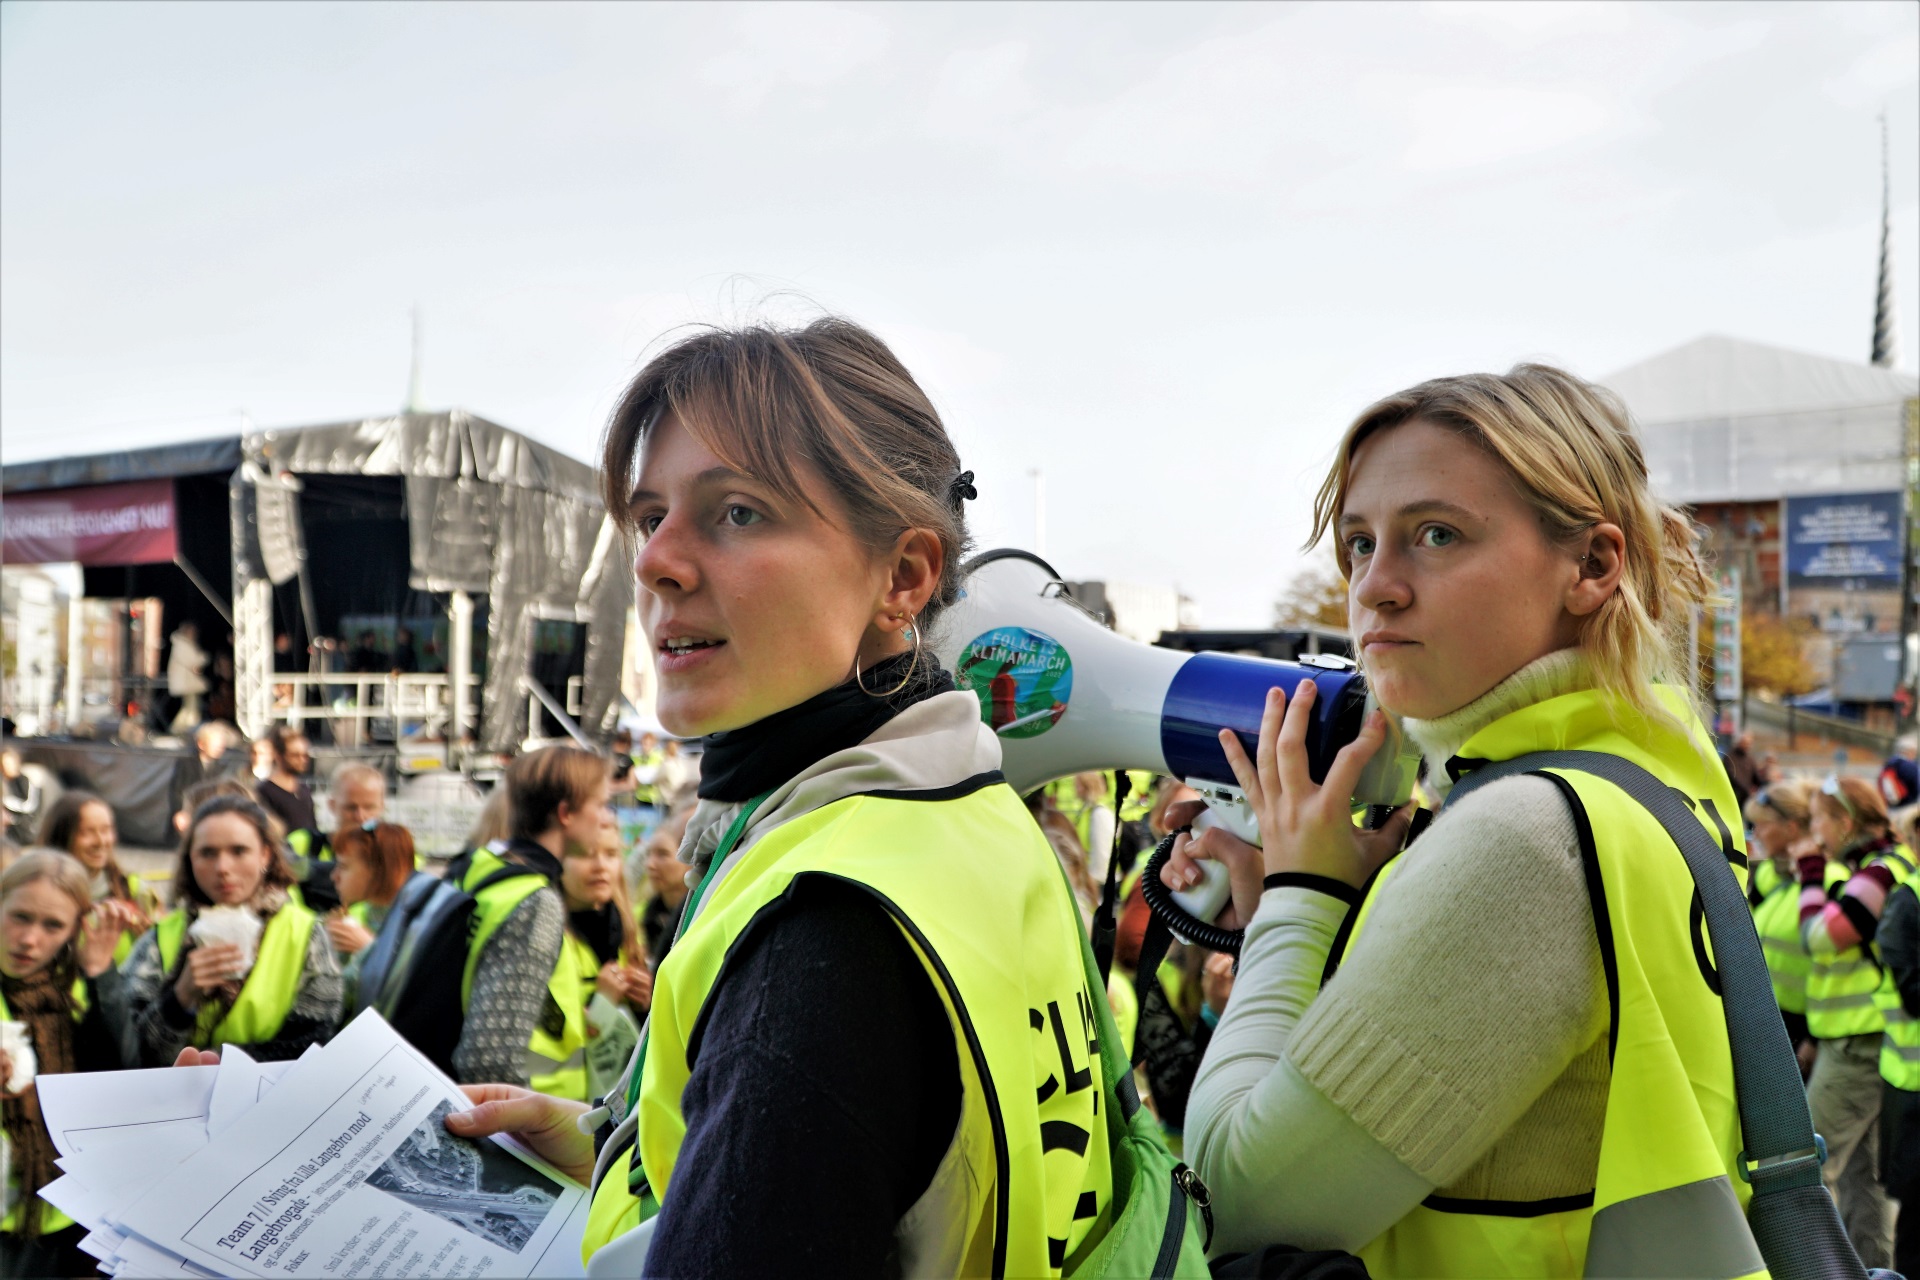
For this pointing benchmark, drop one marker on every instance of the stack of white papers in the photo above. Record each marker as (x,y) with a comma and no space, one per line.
(337,1166)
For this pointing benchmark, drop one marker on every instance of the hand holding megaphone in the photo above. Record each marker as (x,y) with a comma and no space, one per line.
(1300,826)
(1064,694)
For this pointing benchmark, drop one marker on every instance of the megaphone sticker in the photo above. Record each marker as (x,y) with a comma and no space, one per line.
(1023,678)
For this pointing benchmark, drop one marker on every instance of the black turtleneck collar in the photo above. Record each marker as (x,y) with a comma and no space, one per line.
(742,763)
(533,855)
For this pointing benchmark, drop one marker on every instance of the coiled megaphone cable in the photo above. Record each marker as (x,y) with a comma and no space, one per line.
(1172,914)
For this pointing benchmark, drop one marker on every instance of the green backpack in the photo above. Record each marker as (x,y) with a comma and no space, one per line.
(1162,1221)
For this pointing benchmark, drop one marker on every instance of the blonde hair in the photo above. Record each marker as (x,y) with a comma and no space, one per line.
(1791,800)
(1571,453)
(68,876)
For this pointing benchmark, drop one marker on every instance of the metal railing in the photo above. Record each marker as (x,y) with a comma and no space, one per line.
(359,705)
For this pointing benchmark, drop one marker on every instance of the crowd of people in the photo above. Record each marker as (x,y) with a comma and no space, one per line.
(1484,1040)
(109,973)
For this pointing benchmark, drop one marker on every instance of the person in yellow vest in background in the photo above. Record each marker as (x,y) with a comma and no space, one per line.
(647,759)
(1087,801)
(1494,1080)
(1898,939)
(58,982)
(1849,826)
(273,998)
(870,1049)
(602,945)
(1777,817)
(525,1019)
(82,824)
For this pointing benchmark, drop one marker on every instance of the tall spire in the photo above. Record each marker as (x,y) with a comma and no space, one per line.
(1886,337)
(413,378)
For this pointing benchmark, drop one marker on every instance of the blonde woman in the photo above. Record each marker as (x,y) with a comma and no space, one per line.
(1493,1080)
(57,979)
(1778,817)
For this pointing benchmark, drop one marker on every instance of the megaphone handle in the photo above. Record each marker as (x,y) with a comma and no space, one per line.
(1164,903)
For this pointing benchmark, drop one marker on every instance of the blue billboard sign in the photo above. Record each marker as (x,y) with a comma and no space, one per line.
(1845,540)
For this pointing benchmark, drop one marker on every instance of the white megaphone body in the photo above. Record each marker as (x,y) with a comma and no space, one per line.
(1064,694)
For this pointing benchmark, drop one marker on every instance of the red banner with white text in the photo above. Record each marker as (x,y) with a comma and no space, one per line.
(103,524)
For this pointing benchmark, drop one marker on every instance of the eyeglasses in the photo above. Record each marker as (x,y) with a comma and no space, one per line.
(1831,787)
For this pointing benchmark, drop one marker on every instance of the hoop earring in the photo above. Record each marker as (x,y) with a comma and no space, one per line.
(911,667)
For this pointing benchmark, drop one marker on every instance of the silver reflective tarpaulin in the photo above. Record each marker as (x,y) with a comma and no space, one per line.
(488,510)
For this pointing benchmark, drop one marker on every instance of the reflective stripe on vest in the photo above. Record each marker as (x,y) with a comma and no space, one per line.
(560,1032)
(1843,991)
(1025,1184)
(272,985)
(1667,1199)
(51,1219)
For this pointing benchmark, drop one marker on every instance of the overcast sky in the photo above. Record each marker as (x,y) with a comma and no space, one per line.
(1163,253)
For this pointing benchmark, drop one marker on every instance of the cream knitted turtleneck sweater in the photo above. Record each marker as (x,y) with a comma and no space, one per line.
(1463,1033)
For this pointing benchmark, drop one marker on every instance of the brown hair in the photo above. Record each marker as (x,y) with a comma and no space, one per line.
(388,849)
(278,875)
(63,823)
(280,736)
(1859,802)
(227,784)
(830,396)
(70,877)
(539,781)
(1570,451)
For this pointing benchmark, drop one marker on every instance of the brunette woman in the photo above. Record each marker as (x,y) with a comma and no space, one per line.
(192,995)
(1848,865)
(891,920)
(82,824)
(57,978)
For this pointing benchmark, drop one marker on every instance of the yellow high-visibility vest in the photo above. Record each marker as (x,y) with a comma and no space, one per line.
(1842,988)
(272,985)
(1668,1197)
(975,888)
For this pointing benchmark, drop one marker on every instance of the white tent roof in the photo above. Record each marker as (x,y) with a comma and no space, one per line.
(1721,419)
(1720,377)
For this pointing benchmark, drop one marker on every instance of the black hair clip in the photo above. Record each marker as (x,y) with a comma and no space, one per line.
(962,489)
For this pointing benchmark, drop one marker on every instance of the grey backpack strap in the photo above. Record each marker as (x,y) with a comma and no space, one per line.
(1791,1215)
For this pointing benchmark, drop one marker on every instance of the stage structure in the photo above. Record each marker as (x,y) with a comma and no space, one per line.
(431,571)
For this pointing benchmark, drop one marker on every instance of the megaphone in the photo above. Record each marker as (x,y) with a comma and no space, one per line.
(1064,694)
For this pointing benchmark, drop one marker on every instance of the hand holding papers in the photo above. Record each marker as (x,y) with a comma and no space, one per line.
(343,1168)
